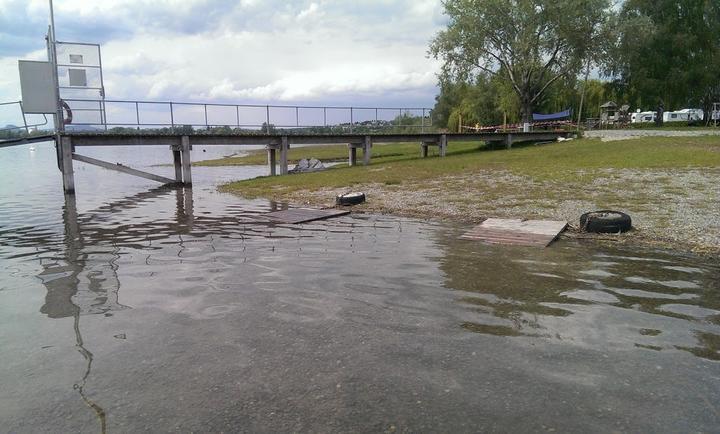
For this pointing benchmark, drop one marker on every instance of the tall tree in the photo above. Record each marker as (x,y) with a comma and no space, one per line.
(668,50)
(531,44)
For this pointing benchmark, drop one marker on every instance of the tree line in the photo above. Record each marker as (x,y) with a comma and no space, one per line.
(507,59)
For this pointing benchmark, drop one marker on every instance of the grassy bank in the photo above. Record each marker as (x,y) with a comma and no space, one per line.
(575,160)
(669,185)
(334,153)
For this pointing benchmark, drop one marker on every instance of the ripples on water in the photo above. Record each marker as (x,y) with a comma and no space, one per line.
(181,287)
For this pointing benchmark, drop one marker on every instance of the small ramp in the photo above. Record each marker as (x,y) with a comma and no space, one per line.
(302,215)
(539,233)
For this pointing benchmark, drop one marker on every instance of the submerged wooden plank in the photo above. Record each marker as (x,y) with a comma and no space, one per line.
(516,231)
(302,215)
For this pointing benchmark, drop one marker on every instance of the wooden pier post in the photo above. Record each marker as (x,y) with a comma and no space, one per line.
(443,144)
(508,141)
(185,156)
(424,149)
(67,165)
(284,155)
(367,150)
(352,154)
(272,160)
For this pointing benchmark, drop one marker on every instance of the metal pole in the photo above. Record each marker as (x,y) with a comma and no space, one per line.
(351,119)
(237,115)
(206,121)
(267,119)
(172,118)
(324,116)
(27,130)
(59,122)
(137,114)
(297,117)
(422,124)
(102,90)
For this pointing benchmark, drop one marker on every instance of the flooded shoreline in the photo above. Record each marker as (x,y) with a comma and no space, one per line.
(161,309)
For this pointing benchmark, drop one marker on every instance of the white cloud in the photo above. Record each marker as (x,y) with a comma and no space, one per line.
(309,12)
(258,51)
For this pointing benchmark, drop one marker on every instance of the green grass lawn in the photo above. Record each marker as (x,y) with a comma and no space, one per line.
(573,160)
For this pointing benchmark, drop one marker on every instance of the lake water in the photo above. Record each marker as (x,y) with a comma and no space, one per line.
(133,308)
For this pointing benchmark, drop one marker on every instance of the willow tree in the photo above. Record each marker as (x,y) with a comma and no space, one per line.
(529,43)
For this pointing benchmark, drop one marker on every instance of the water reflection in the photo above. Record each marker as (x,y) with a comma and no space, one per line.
(83,279)
(586,297)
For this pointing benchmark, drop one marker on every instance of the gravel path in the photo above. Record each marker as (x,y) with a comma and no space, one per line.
(613,135)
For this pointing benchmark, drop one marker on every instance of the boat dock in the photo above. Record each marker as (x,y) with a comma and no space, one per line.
(277,146)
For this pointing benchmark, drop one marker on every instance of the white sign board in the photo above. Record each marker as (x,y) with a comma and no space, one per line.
(37,86)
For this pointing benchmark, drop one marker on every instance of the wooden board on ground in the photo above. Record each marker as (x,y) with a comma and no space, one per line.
(302,215)
(516,231)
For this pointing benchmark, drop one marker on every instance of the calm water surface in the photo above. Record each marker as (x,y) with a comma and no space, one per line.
(132,308)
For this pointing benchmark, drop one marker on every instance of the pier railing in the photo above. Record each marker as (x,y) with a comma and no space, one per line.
(95,115)
(12,112)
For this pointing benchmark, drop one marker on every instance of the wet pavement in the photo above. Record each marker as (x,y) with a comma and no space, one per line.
(139,309)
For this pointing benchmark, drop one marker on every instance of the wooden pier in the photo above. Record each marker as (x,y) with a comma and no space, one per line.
(181,147)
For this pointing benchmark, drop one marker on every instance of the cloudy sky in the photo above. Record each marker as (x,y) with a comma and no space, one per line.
(343,52)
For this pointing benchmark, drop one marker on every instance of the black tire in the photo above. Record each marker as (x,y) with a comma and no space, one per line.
(350,199)
(605,221)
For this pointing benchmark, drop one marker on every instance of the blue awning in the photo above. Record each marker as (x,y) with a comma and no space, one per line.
(552,116)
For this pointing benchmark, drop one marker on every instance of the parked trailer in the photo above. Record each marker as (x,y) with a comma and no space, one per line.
(684,115)
(642,117)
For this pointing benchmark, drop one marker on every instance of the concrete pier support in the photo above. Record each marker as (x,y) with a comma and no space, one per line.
(177,162)
(367,150)
(442,144)
(284,146)
(352,154)
(67,165)
(272,159)
(509,141)
(185,156)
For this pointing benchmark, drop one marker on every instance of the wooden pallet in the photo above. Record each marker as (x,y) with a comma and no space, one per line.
(516,231)
(302,215)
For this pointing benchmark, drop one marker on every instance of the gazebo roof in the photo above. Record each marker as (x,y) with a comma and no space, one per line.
(609,104)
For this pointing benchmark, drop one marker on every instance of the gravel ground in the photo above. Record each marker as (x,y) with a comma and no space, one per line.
(613,135)
(676,208)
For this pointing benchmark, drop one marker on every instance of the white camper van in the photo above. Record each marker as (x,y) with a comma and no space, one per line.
(683,115)
(640,117)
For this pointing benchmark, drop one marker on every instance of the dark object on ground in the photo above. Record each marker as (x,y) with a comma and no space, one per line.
(302,215)
(350,199)
(305,165)
(605,221)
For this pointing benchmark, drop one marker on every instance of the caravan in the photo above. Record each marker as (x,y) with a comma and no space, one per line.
(684,115)
(641,117)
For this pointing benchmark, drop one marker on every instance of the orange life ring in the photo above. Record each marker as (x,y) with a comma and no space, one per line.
(68,119)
